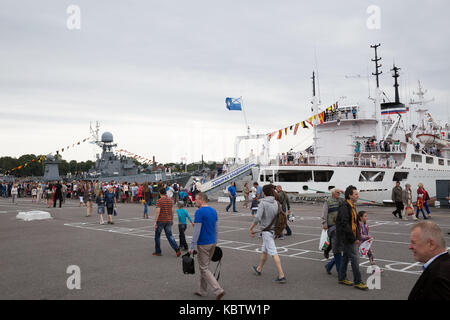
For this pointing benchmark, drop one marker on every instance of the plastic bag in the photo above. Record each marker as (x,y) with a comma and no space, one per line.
(365,247)
(324,240)
(409,211)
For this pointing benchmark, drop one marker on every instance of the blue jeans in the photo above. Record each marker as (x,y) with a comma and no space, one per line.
(350,254)
(337,259)
(417,213)
(232,203)
(145,208)
(425,205)
(167,226)
(181,231)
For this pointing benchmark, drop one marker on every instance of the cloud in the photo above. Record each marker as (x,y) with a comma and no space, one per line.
(155,72)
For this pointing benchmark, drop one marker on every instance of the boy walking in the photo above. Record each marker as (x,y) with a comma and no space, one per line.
(182,225)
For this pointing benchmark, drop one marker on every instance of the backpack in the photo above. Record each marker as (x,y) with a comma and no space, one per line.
(280,221)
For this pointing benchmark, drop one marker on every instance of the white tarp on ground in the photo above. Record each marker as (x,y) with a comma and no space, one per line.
(33,215)
(227,199)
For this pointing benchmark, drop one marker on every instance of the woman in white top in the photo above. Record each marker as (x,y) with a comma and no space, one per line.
(14,192)
(33,193)
(39,192)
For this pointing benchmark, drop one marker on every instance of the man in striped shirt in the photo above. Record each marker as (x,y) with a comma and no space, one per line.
(164,220)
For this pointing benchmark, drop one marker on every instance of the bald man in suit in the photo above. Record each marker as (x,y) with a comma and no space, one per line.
(427,243)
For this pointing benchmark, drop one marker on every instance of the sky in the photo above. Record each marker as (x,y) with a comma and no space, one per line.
(156,73)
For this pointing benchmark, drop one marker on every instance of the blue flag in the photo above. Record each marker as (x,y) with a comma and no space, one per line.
(233,104)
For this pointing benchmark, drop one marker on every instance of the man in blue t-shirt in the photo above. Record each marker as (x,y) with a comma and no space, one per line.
(205,238)
(232,195)
(259,191)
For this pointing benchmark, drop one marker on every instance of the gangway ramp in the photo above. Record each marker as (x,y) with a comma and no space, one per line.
(227,177)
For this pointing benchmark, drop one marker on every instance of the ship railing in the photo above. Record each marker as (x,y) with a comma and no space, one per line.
(377,148)
(341,115)
(337,162)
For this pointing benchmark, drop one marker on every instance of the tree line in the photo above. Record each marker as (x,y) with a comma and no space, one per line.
(37,169)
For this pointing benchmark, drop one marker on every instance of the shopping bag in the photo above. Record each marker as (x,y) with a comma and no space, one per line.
(115,212)
(409,211)
(365,247)
(324,240)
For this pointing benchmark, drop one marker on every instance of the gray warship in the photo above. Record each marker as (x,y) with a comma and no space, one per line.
(111,166)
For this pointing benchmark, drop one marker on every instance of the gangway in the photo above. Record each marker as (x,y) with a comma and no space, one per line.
(227,177)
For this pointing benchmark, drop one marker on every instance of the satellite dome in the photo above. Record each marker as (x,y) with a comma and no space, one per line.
(107,137)
(50,157)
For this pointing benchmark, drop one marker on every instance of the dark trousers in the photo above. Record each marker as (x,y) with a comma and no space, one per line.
(232,203)
(181,235)
(57,196)
(351,255)
(399,209)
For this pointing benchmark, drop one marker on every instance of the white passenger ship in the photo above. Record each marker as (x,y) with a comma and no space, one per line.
(370,149)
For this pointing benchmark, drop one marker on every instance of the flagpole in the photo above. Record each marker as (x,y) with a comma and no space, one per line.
(245,117)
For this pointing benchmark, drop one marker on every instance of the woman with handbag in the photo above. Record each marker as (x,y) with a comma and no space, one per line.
(407,201)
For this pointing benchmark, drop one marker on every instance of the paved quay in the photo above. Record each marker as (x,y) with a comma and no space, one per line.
(116,261)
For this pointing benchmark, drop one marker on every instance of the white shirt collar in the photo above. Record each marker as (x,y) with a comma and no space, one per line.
(432,259)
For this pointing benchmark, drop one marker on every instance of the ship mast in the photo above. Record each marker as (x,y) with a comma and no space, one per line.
(315,108)
(379,129)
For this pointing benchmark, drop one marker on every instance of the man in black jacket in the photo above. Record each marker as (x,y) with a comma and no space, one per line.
(427,243)
(58,194)
(347,232)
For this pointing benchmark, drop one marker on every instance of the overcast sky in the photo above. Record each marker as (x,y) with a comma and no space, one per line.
(156,73)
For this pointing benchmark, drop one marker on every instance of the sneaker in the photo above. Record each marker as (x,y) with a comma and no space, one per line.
(178,253)
(280,280)
(346,282)
(361,286)
(156,254)
(255,269)
(281,238)
(414,218)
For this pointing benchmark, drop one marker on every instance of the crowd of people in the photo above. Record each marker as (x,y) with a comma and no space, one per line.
(402,198)
(347,228)
(105,194)
(348,231)
(372,145)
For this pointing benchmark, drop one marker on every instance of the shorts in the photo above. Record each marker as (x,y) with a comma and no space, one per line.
(110,210)
(101,209)
(268,245)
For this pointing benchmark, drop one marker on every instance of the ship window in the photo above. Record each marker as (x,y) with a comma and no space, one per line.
(430,160)
(441,162)
(295,176)
(416,158)
(323,175)
(371,176)
(400,176)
